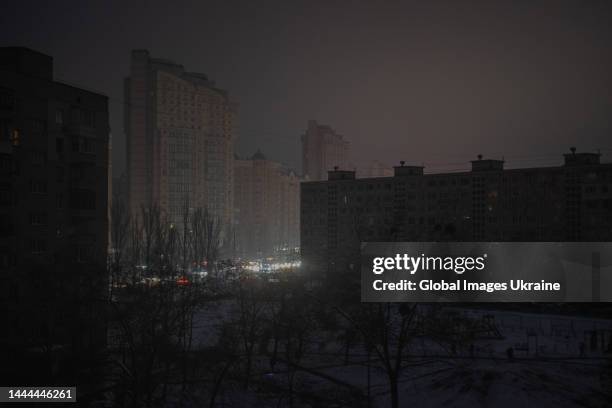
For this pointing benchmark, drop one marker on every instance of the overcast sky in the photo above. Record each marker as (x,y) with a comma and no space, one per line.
(427,82)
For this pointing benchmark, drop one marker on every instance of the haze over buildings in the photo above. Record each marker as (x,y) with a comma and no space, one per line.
(266,198)
(375,168)
(425,82)
(322,150)
(180,134)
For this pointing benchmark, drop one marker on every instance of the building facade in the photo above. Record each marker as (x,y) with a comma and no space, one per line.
(266,198)
(322,150)
(180,139)
(571,202)
(54,159)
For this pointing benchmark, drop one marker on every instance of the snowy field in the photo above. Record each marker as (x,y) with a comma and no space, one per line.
(557,361)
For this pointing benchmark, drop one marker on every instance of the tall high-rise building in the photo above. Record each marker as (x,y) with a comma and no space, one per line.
(180,139)
(54,163)
(323,150)
(266,202)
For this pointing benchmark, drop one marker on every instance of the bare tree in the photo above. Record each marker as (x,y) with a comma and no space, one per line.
(251,311)
(199,239)
(120,229)
(389,330)
(186,243)
(206,241)
(213,238)
(149,318)
(153,318)
(149,217)
(293,322)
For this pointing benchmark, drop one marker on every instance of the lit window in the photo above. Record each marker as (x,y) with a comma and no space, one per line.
(15,140)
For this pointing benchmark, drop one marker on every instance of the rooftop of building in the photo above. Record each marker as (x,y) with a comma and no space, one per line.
(259,155)
(25,61)
(35,64)
(482,164)
(177,69)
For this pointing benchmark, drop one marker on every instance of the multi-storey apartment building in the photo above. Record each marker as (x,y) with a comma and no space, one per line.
(322,150)
(266,202)
(571,202)
(180,139)
(54,161)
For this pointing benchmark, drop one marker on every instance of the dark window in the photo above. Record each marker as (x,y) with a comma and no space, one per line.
(38,158)
(38,187)
(88,145)
(38,245)
(6,164)
(7,98)
(83,117)
(82,144)
(75,143)
(83,253)
(38,218)
(6,225)
(36,126)
(82,199)
(5,194)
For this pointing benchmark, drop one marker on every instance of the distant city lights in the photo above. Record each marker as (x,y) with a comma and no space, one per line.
(269,267)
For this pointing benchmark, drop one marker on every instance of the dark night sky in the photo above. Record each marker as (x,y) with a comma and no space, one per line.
(432,82)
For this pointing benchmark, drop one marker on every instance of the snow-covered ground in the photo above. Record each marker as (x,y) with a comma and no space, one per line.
(557,362)
(487,383)
(556,376)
